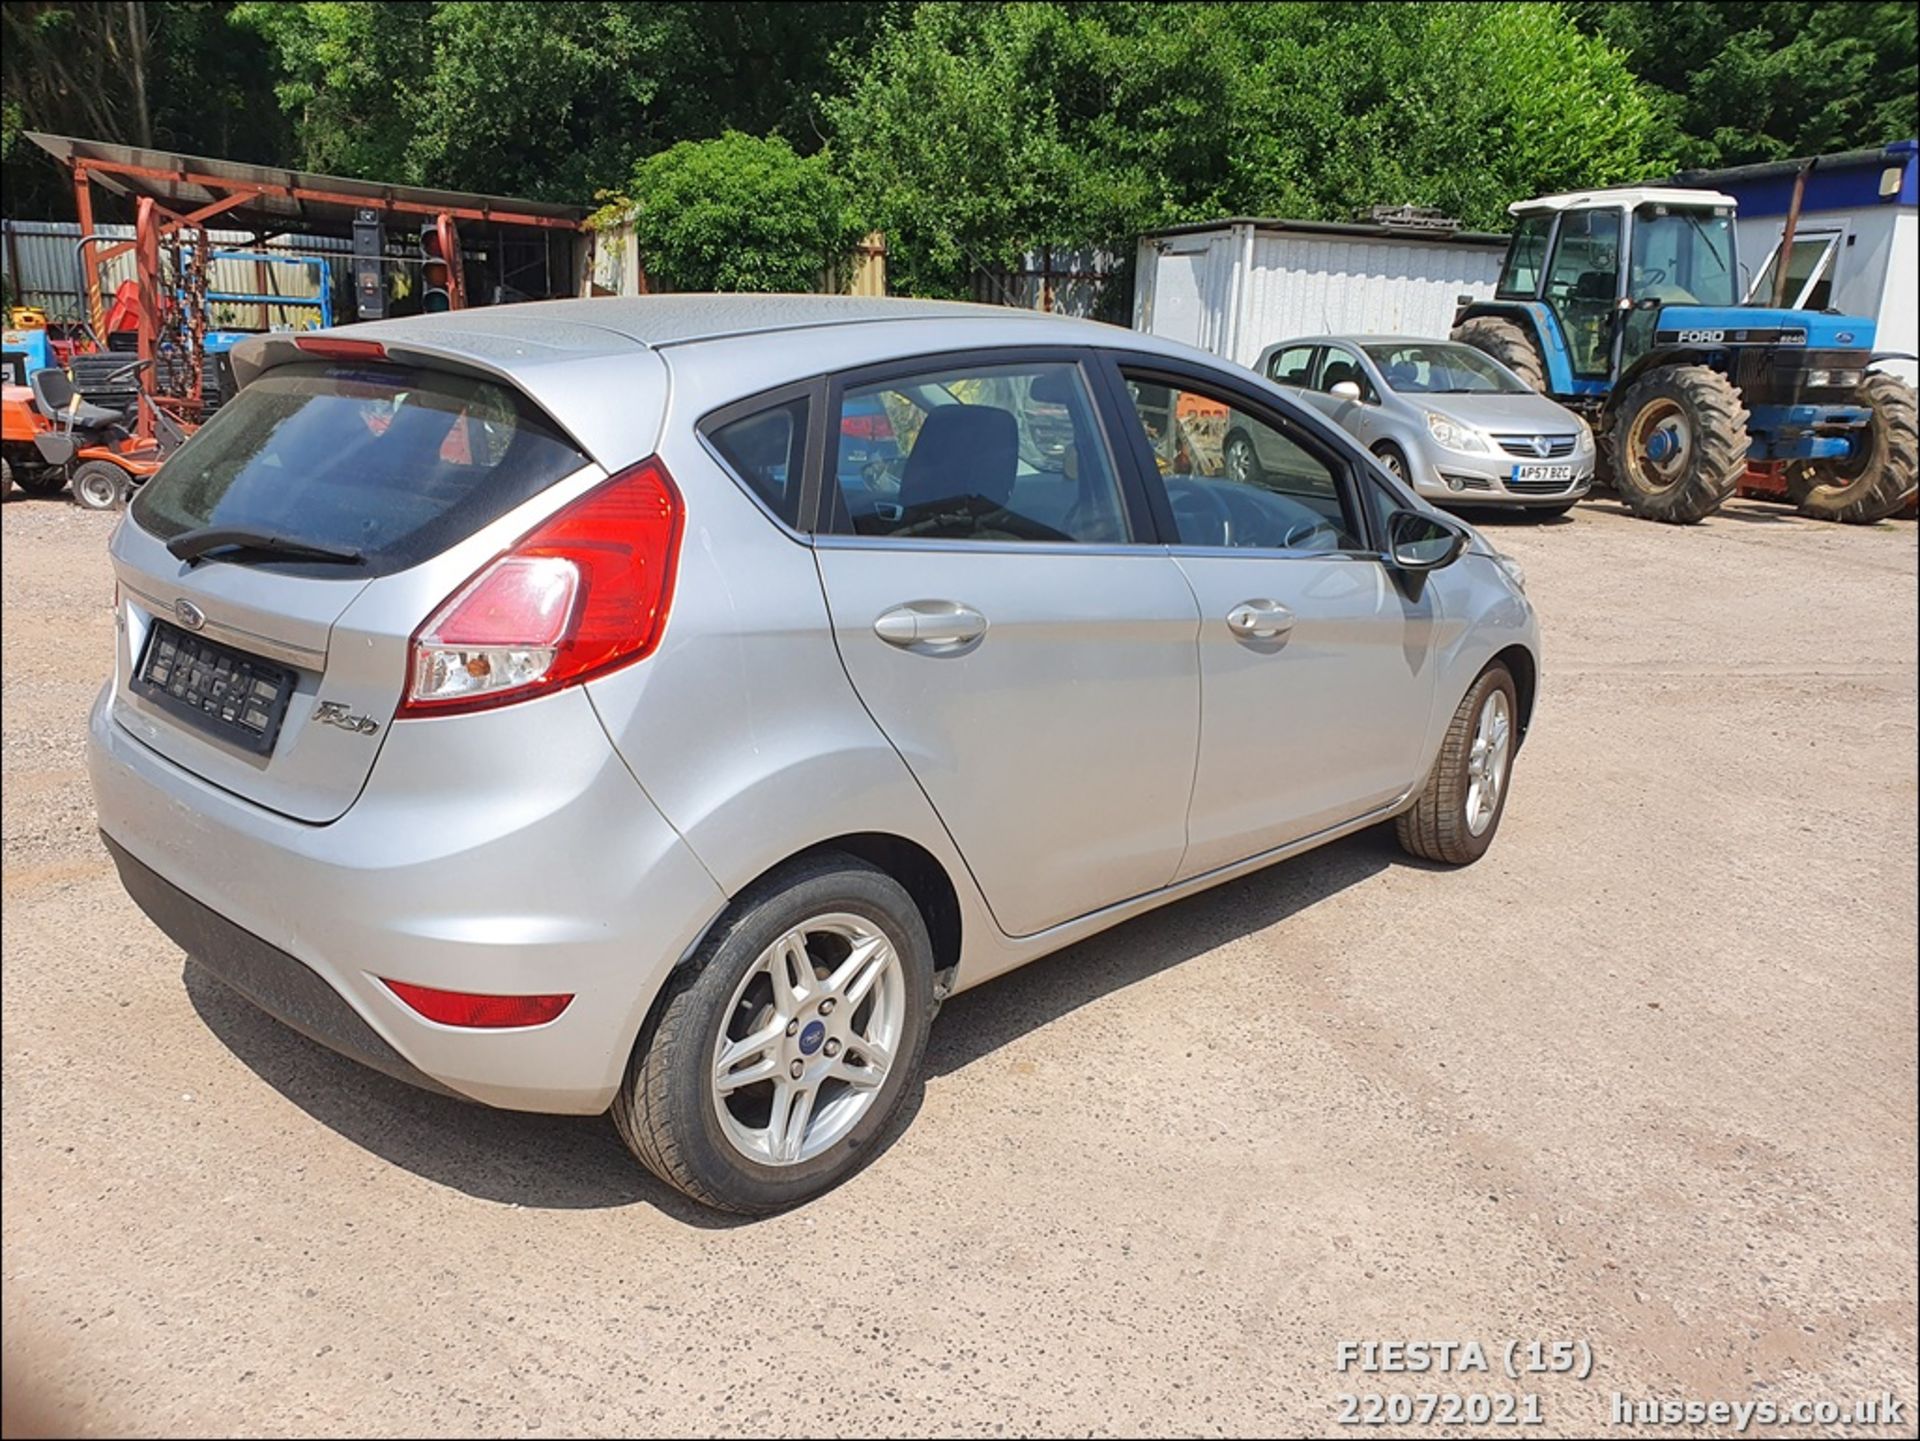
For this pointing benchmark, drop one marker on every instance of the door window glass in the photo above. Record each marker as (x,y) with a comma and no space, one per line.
(990,453)
(1237,480)
(1341,368)
(1583,284)
(1520,276)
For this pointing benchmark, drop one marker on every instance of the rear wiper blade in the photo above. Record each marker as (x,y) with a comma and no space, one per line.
(198,544)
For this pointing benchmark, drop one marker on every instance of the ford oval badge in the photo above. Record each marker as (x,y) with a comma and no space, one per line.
(189,614)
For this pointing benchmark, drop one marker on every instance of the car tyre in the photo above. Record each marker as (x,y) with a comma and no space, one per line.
(1240,460)
(702,1136)
(1394,461)
(1455,818)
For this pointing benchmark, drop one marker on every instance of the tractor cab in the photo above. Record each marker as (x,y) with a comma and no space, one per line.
(1625,305)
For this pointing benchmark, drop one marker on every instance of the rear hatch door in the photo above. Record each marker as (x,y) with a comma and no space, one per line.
(272,671)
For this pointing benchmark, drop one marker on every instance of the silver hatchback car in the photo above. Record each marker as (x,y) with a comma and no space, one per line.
(1451,421)
(664,704)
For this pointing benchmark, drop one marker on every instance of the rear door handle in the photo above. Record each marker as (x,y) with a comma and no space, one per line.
(1260,619)
(930,622)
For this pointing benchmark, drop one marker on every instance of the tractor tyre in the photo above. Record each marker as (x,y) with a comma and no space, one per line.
(1679,444)
(1880,477)
(1506,341)
(99,485)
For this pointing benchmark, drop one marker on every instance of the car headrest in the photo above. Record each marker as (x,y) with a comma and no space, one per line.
(51,389)
(1402,373)
(1337,371)
(961,451)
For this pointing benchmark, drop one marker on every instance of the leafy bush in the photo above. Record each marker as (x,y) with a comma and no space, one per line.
(739,213)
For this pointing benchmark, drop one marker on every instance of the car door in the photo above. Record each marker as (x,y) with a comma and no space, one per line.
(1315,682)
(1002,607)
(1341,363)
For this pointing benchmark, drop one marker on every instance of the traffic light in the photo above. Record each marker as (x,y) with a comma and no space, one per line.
(442,285)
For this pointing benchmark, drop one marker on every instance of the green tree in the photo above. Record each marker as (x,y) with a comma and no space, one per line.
(973,133)
(546,98)
(1745,81)
(169,74)
(739,213)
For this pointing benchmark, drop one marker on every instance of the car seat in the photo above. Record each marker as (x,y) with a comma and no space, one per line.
(964,459)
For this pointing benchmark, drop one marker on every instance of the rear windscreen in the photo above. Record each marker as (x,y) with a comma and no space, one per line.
(396,463)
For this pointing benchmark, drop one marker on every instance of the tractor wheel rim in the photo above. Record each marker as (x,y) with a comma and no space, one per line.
(1660,444)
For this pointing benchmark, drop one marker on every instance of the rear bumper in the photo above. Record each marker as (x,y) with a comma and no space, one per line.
(508,852)
(290,992)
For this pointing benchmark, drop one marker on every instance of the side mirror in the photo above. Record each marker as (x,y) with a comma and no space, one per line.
(1345,390)
(1418,543)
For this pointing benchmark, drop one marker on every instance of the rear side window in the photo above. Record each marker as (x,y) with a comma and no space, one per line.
(988,453)
(394,462)
(767,450)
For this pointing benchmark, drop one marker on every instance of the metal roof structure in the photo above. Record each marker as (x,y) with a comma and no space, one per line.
(272,199)
(1415,234)
(1615,197)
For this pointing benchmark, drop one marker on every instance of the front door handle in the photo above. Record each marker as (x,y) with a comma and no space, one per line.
(1260,619)
(931,623)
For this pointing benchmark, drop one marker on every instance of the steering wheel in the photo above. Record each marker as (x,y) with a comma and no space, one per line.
(1197,510)
(132,368)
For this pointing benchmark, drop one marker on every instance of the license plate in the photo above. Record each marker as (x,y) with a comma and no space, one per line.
(1542,472)
(225,692)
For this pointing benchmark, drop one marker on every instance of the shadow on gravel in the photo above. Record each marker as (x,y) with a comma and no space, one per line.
(579,1162)
(546,1162)
(979,1022)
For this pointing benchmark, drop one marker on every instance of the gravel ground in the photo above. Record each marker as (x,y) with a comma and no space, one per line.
(1644,1078)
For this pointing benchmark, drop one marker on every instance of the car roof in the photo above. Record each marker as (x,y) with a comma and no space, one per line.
(1360,340)
(614,322)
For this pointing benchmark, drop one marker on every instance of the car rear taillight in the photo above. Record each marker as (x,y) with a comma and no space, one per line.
(477,1012)
(585,592)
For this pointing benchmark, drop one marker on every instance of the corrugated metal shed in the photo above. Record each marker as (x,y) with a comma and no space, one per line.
(41,268)
(1239,285)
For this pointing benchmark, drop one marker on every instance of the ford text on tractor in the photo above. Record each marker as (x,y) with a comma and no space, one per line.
(1624,305)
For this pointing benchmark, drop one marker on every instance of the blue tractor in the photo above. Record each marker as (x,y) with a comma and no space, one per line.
(1625,305)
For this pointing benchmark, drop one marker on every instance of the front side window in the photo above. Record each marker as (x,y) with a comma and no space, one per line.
(1237,480)
(1526,255)
(1427,368)
(987,452)
(1682,257)
(1341,367)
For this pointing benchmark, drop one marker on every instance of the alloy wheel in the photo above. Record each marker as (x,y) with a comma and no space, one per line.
(808,1039)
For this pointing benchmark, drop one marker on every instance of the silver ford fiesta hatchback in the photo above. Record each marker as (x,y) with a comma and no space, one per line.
(663,704)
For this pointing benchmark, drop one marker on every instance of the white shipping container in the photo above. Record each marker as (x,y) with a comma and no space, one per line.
(1237,286)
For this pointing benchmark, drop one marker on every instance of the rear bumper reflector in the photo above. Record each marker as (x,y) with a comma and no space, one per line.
(477,1012)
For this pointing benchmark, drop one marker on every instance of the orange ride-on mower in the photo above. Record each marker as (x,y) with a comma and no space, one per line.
(53,438)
